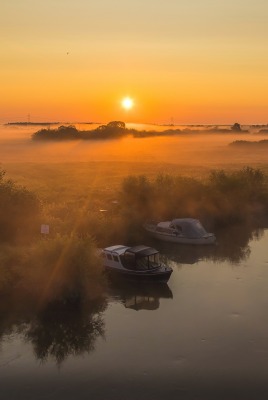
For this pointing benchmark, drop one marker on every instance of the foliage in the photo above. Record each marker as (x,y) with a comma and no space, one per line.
(61,267)
(236,127)
(19,211)
(113,129)
(253,143)
(61,133)
(223,198)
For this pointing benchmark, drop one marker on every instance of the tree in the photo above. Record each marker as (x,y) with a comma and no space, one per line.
(116,124)
(236,127)
(111,130)
(19,211)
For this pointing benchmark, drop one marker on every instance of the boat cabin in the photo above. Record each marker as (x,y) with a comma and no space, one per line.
(140,257)
(188,227)
(133,258)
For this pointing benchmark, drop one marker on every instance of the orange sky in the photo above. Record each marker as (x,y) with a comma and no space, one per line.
(192,61)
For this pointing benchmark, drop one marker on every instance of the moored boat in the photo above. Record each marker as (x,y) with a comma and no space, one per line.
(180,230)
(139,262)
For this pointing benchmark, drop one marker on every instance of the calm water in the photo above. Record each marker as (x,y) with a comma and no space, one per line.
(202,336)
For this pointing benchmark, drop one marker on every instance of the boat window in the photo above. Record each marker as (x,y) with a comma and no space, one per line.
(109,256)
(116,258)
(103,255)
(179,228)
(200,228)
(142,263)
(154,259)
(193,229)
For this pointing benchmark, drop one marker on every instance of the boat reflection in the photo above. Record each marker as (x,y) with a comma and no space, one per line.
(139,295)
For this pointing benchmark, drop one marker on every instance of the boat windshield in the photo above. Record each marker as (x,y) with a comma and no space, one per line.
(192,229)
(147,262)
(141,263)
(154,259)
(200,228)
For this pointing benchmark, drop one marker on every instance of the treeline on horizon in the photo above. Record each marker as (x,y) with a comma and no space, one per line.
(66,262)
(117,129)
(248,143)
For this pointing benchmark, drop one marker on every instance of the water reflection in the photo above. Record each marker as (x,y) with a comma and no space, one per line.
(208,342)
(61,329)
(140,295)
(65,329)
(232,246)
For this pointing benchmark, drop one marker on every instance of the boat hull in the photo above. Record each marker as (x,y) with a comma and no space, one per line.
(210,239)
(159,276)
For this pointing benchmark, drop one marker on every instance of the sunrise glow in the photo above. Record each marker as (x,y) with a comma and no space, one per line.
(197,71)
(127,103)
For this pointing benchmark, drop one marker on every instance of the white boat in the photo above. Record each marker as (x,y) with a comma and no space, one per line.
(180,230)
(139,262)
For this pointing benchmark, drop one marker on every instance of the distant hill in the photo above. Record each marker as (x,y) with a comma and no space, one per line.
(33,123)
(47,123)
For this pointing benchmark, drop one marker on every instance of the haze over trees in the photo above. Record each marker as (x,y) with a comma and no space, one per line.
(118,129)
(19,211)
(113,129)
(28,261)
(236,127)
(250,143)
(224,198)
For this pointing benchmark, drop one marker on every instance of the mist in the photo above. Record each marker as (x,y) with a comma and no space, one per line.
(192,149)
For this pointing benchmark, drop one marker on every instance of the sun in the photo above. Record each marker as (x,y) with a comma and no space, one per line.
(127,103)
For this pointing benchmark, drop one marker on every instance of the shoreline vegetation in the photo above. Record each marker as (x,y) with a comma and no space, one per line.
(118,129)
(65,263)
(47,123)
(247,143)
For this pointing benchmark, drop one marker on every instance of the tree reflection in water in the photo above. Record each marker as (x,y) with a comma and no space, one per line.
(61,329)
(64,329)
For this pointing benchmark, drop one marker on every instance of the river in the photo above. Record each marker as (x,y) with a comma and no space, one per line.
(204,335)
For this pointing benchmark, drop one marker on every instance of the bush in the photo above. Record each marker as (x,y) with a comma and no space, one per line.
(61,133)
(224,198)
(61,267)
(19,211)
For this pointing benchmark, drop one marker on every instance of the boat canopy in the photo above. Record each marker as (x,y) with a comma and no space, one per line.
(142,251)
(189,227)
(117,249)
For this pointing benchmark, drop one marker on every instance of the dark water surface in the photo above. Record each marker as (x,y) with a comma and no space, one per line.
(202,336)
